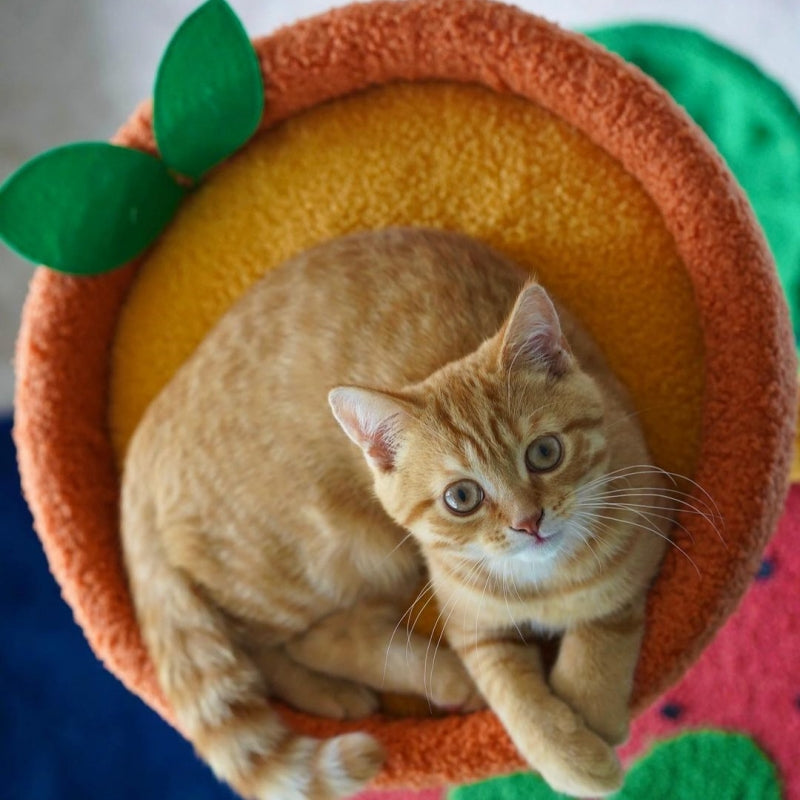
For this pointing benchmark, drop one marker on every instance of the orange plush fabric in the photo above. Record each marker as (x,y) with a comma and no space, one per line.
(563,207)
(65,453)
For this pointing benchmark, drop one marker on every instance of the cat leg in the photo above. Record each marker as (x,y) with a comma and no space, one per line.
(312,691)
(546,731)
(594,670)
(370,644)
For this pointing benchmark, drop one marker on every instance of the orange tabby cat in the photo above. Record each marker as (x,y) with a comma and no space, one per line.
(268,557)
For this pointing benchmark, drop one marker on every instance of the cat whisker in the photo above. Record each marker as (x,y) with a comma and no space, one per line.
(508,608)
(703,505)
(428,585)
(633,470)
(406,614)
(698,505)
(585,535)
(618,474)
(481,563)
(480,605)
(611,507)
(648,528)
(664,490)
(639,412)
(425,683)
(515,588)
(703,492)
(428,687)
(411,624)
(395,548)
(438,644)
(624,418)
(674,477)
(637,509)
(615,499)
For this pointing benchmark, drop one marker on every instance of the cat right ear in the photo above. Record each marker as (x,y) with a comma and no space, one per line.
(373,420)
(532,337)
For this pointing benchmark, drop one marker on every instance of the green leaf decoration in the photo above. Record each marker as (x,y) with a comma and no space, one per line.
(88,207)
(697,764)
(209,95)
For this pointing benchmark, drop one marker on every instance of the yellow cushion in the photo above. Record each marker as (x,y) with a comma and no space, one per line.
(440,155)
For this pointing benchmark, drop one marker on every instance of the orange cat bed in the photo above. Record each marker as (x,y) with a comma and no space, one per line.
(479,118)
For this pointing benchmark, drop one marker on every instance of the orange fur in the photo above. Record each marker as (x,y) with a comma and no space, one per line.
(262,563)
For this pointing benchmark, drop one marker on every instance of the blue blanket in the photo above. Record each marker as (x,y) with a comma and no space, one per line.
(68,729)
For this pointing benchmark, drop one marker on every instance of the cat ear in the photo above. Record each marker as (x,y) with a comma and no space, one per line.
(373,420)
(532,335)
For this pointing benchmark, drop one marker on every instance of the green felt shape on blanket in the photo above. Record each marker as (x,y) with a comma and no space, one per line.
(698,764)
(751,119)
(86,208)
(209,95)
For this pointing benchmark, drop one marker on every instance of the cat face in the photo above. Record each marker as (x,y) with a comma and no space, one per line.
(492,469)
(487,460)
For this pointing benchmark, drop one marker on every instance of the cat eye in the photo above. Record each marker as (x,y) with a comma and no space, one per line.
(463,497)
(544,453)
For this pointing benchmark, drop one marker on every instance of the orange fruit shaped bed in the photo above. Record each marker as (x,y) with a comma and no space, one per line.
(464,115)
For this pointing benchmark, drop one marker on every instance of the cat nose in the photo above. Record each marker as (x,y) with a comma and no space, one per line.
(530,525)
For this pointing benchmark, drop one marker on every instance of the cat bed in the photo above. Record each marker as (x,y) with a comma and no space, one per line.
(457,114)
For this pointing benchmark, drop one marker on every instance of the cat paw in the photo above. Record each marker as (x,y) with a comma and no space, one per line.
(323,695)
(348,701)
(614,730)
(451,688)
(583,765)
(606,713)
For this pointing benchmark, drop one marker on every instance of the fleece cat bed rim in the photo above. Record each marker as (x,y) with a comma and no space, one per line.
(68,323)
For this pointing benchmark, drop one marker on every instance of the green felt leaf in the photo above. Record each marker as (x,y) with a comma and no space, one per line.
(750,118)
(209,95)
(86,208)
(698,764)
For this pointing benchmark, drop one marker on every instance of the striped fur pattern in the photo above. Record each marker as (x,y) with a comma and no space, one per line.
(488,448)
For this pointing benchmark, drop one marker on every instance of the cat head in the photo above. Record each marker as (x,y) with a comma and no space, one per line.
(483,461)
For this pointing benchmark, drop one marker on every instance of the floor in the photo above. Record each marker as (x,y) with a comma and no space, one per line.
(73,71)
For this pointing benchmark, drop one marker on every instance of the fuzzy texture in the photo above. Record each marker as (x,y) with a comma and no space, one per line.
(563,209)
(567,211)
(66,457)
(260,561)
(732,688)
(707,763)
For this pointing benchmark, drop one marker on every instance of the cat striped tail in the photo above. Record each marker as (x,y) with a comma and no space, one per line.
(217,693)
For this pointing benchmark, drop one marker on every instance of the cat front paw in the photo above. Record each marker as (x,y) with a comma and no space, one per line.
(581,764)
(615,730)
(605,712)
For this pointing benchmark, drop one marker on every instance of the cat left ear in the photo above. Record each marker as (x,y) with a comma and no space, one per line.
(532,336)
(373,420)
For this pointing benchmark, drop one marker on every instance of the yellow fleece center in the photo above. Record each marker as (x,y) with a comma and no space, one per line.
(438,155)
